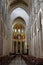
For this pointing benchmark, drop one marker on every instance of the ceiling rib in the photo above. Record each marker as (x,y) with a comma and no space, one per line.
(17,2)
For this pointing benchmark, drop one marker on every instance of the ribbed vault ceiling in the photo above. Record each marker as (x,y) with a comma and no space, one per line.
(19,8)
(19,12)
(14,3)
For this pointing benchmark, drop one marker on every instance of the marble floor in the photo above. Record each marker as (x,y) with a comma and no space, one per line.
(18,61)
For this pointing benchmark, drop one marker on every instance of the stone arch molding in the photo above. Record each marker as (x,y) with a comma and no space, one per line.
(20,6)
(19,12)
(18,3)
(19,22)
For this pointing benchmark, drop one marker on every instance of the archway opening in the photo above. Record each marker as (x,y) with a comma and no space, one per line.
(18,36)
(19,17)
(19,12)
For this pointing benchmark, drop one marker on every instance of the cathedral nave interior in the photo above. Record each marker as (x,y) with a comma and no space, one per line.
(21,32)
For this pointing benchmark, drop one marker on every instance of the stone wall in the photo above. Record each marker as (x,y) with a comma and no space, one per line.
(37,30)
(1,40)
(4,30)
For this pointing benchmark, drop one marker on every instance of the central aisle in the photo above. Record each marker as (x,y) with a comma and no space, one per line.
(18,61)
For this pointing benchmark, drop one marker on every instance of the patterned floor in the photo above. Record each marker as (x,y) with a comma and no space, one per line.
(18,61)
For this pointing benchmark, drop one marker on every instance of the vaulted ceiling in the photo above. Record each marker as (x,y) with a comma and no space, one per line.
(25,4)
(19,8)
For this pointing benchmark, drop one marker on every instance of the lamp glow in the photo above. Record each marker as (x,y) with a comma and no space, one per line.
(15,30)
(19,30)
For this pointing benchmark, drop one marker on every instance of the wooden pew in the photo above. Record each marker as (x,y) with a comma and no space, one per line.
(39,61)
(5,60)
(0,60)
(30,60)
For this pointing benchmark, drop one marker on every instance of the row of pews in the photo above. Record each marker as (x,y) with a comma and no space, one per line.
(30,60)
(5,60)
